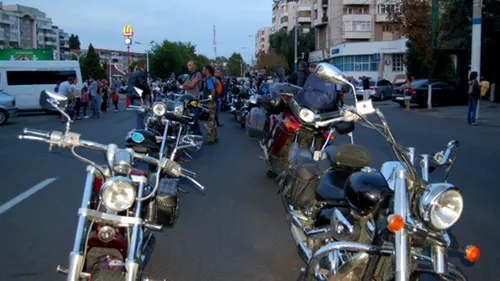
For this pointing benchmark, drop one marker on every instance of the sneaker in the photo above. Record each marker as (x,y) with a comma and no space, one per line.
(78,118)
(116,110)
(473,123)
(86,117)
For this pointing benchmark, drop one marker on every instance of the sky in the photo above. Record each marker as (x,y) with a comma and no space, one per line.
(101,22)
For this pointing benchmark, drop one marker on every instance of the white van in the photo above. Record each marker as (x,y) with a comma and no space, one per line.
(25,80)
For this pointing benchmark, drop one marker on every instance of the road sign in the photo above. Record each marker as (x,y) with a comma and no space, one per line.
(376,57)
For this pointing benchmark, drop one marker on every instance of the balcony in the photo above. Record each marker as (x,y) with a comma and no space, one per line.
(356,2)
(356,17)
(304,8)
(381,18)
(304,19)
(321,22)
(357,26)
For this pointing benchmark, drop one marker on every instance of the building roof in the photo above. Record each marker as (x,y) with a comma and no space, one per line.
(123,53)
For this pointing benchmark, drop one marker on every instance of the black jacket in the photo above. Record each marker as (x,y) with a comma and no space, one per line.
(298,78)
(138,79)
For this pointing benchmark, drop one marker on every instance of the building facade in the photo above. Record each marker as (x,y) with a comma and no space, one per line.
(24,27)
(262,43)
(288,13)
(118,58)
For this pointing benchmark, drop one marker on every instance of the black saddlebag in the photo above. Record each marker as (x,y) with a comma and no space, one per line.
(299,183)
(166,202)
(255,123)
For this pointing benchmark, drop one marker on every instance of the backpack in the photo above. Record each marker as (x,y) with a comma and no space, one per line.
(474,89)
(218,87)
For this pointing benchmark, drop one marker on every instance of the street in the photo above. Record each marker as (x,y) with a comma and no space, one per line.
(236,228)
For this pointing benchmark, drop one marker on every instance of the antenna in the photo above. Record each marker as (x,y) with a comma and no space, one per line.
(215,47)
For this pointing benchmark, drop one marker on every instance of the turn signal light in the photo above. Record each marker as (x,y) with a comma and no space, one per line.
(396,223)
(332,138)
(288,126)
(472,253)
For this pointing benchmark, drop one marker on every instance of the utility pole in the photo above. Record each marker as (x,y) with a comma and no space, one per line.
(477,17)
(296,34)
(215,48)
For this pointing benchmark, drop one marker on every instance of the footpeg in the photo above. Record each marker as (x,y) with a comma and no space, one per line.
(63,270)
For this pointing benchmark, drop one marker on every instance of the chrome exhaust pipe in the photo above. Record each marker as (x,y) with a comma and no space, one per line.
(348,267)
(311,234)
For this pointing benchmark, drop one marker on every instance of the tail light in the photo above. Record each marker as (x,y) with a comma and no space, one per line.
(413,92)
(394,91)
(373,90)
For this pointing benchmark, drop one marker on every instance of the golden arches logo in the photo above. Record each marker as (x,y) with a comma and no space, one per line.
(127,31)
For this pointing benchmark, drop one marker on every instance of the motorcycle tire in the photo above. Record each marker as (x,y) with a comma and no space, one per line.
(103,274)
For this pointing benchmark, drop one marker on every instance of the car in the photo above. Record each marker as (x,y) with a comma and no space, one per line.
(443,93)
(379,90)
(123,89)
(8,107)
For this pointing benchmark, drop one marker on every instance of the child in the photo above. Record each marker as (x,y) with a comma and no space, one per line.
(115,99)
(85,100)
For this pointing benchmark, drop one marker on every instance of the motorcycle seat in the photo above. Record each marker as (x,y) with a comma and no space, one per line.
(330,186)
(348,156)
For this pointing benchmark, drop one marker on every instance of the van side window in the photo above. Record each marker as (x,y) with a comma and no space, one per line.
(38,77)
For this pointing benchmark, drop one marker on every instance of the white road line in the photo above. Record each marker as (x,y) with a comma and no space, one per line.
(19,198)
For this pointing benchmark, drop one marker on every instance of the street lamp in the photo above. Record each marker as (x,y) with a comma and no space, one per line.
(147,53)
(78,55)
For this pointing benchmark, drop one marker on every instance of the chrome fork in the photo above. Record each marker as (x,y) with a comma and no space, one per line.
(132,263)
(401,248)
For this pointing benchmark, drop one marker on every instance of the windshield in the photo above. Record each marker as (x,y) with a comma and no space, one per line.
(317,95)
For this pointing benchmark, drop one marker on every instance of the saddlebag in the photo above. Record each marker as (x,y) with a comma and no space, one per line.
(255,123)
(299,183)
(166,202)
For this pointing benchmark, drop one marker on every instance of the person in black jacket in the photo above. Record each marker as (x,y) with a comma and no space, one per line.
(298,78)
(139,79)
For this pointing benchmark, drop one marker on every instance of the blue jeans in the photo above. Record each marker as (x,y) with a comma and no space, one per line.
(139,121)
(96,106)
(471,114)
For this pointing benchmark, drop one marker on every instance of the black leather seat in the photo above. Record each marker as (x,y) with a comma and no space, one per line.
(348,155)
(331,186)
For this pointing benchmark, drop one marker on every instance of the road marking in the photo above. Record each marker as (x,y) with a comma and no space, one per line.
(19,198)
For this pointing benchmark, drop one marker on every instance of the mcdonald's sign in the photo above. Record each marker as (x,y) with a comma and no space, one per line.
(127,31)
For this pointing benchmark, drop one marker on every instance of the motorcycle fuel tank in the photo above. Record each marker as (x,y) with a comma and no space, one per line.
(366,190)
(142,141)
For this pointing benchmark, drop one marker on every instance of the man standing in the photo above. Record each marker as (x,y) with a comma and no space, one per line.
(312,68)
(261,78)
(298,78)
(139,79)
(474,93)
(95,98)
(221,92)
(66,88)
(192,86)
(211,124)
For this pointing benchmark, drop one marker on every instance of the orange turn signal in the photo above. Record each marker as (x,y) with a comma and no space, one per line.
(332,138)
(396,223)
(472,253)
(288,126)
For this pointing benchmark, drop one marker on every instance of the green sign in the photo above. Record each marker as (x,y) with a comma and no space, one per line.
(20,54)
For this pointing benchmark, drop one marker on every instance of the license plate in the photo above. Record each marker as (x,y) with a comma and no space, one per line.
(399,98)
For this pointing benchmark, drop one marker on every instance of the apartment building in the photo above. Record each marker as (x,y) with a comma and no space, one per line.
(356,36)
(24,27)
(262,43)
(118,58)
(289,13)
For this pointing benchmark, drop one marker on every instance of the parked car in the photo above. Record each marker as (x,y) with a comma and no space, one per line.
(8,107)
(379,90)
(443,93)
(123,89)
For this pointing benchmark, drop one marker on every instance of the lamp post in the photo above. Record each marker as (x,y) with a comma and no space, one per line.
(77,55)
(147,54)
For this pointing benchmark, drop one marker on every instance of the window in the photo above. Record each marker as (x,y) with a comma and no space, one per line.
(347,11)
(359,26)
(386,28)
(381,9)
(397,62)
(363,11)
(356,63)
(315,14)
(284,19)
(306,14)
(38,77)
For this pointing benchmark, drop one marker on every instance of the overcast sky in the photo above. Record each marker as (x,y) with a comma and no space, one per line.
(101,22)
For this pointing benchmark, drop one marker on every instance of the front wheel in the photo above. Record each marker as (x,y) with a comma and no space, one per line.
(3,117)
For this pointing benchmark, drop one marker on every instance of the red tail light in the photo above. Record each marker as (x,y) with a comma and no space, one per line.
(394,91)
(413,92)
(373,90)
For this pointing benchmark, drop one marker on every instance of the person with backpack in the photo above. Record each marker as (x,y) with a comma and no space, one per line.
(474,94)
(298,78)
(220,94)
(210,89)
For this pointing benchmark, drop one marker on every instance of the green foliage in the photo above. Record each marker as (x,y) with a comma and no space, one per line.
(235,64)
(90,65)
(271,61)
(169,57)
(74,42)
(416,66)
(282,42)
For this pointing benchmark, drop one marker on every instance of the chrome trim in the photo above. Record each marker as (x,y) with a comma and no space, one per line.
(139,179)
(131,263)
(164,140)
(119,221)
(428,200)
(122,164)
(341,227)
(412,154)
(388,170)
(424,165)
(439,257)
(402,247)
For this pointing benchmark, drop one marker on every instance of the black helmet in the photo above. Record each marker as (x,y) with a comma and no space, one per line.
(181,79)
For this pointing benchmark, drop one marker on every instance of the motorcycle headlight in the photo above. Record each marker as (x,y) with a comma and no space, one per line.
(159,109)
(306,115)
(441,205)
(179,109)
(118,194)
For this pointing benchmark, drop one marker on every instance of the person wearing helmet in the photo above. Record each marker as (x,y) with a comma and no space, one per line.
(298,78)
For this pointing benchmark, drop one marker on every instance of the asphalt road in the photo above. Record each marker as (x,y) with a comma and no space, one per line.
(236,229)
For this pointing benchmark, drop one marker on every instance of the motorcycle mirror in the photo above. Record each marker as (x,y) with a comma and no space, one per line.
(193,141)
(51,101)
(138,91)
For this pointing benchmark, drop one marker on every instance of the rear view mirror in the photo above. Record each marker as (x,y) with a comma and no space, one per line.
(331,74)
(50,100)
(138,91)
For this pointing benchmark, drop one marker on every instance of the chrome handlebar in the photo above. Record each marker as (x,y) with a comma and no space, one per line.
(71,140)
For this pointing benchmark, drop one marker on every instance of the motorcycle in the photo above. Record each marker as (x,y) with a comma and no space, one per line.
(120,207)
(362,224)
(287,114)
(239,107)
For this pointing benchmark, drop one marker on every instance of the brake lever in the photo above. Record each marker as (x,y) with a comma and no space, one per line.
(194,181)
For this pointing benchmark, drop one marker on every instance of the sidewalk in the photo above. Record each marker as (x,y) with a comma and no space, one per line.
(488,112)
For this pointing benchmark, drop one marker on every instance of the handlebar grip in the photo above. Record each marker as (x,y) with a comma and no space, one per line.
(327,116)
(38,133)
(188,173)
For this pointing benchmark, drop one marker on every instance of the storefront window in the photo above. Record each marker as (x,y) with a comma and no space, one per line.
(355,63)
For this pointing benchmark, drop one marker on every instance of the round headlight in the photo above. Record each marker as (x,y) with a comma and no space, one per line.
(441,206)
(118,194)
(159,109)
(179,109)
(306,115)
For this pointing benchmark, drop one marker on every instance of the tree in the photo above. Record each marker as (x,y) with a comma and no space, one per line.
(235,65)
(282,42)
(169,57)
(271,61)
(90,65)
(74,42)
